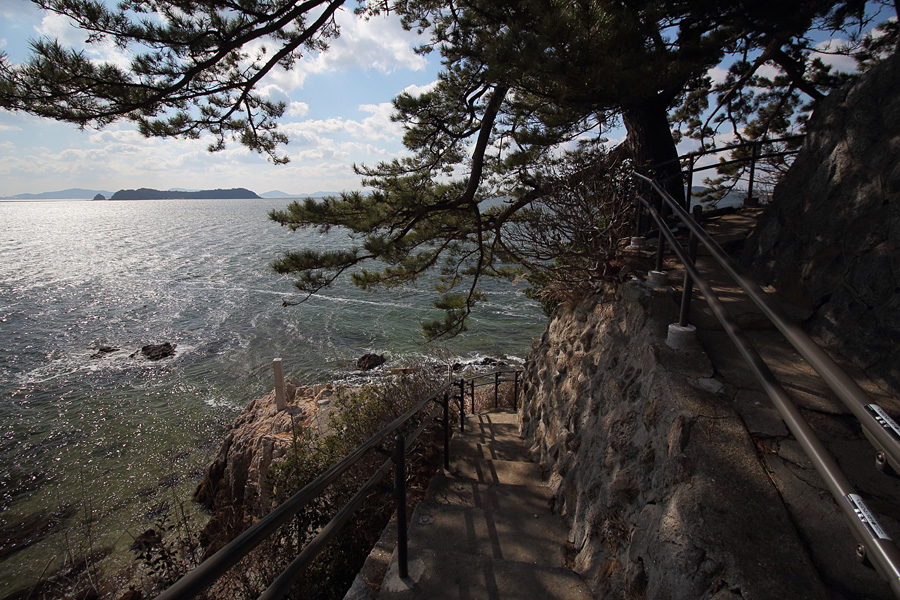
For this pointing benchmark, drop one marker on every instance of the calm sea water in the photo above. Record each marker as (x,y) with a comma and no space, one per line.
(102,443)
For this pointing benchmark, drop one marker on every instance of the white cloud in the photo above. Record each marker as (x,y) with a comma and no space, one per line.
(377,126)
(379,43)
(59,27)
(298,109)
(718,75)
(769,71)
(274,93)
(418,90)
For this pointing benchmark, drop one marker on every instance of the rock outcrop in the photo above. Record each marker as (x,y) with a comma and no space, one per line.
(236,488)
(831,236)
(157,351)
(103,350)
(657,474)
(369,361)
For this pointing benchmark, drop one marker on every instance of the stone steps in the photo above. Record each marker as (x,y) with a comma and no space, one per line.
(485,528)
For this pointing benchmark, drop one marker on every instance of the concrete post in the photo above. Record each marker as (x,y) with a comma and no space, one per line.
(658,279)
(279,384)
(682,337)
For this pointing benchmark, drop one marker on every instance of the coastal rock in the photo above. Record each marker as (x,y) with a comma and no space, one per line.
(146,541)
(103,351)
(99,197)
(236,488)
(158,351)
(370,361)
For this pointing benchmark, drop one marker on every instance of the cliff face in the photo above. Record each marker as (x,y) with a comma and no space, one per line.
(657,474)
(237,488)
(831,237)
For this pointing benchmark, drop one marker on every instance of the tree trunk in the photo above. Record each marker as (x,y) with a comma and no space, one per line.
(652,147)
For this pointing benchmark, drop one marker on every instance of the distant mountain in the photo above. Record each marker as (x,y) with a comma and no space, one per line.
(280,194)
(149,194)
(70,194)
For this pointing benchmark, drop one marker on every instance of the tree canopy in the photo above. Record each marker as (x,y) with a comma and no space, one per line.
(526,92)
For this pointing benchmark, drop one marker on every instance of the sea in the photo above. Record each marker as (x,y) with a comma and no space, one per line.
(95,446)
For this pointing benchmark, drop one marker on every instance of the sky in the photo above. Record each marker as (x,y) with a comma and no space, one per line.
(339,108)
(339,114)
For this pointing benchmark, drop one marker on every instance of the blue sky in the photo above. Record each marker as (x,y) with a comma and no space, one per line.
(339,114)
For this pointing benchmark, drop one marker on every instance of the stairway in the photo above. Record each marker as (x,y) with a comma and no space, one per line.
(485,529)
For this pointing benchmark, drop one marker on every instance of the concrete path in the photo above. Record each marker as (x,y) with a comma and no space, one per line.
(485,529)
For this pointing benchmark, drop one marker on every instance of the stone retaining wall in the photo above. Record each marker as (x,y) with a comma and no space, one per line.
(658,476)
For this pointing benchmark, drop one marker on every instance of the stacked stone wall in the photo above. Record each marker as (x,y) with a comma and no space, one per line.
(658,476)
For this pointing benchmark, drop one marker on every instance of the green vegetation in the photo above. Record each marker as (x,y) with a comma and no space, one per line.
(524,84)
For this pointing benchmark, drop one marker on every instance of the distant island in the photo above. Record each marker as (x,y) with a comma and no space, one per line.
(148,194)
(151,194)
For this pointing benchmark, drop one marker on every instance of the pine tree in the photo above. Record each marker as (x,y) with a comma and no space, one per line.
(527,89)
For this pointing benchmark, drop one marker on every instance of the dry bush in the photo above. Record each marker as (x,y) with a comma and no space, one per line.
(568,240)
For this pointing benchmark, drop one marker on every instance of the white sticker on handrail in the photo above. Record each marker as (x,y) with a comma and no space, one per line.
(885,420)
(865,515)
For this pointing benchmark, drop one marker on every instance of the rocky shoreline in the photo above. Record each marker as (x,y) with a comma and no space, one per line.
(236,488)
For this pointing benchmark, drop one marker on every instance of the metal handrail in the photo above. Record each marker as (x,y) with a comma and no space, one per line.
(854,398)
(205,574)
(496,381)
(874,544)
(691,157)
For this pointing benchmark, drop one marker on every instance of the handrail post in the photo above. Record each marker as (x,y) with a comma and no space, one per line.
(754,153)
(496,389)
(690,183)
(688,287)
(638,219)
(446,430)
(400,495)
(661,246)
(516,391)
(462,404)
(473,395)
